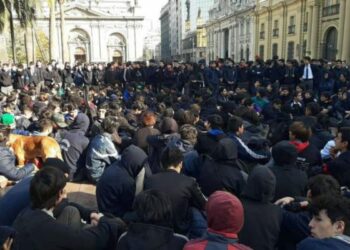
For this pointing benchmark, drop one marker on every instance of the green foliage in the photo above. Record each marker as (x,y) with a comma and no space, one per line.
(43,42)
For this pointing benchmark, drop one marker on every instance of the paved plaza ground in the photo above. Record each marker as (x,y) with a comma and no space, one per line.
(83,194)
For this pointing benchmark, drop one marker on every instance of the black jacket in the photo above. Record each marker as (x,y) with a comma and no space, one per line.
(207,142)
(262,219)
(220,171)
(116,188)
(183,191)
(38,230)
(150,237)
(290,181)
(339,168)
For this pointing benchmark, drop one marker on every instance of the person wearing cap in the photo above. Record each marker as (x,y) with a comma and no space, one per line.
(222,233)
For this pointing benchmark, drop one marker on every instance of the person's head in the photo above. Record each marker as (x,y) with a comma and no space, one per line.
(299,131)
(307,60)
(153,207)
(322,185)
(47,188)
(284,154)
(110,125)
(168,126)
(342,141)
(45,126)
(149,119)
(189,133)
(330,217)
(215,122)
(172,157)
(235,125)
(298,97)
(225,213)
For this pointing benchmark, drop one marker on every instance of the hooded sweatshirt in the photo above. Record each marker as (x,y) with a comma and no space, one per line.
(341,242)
(220,171)
(116,189)
(225,220)
(260,232)
(290,181)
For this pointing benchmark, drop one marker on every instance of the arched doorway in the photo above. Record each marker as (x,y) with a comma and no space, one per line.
(80,55)
(79,45)
(330,45)
(116,47)
(117,56)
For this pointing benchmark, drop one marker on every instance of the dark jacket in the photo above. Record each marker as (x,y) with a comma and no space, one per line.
(339,168)
(290,181)
(74,143)
(183,191)
(262,219)
(8,166)
(220,171)
(309,157)
(5,78)
(336,243)
(115,191)
(207,142)
(140,137)
(38,230)
(150,237)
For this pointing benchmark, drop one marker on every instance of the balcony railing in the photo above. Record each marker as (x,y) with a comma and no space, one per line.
(291,29)
(262,35)
(275,32)
(331,10)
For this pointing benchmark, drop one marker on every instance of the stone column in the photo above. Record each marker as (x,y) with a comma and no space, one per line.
(341,27)
(309,27)
(346,35)
(314,35)
(229,41)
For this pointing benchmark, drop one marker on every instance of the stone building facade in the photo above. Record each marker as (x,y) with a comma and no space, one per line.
(295,28)
(99,31)
(230,30)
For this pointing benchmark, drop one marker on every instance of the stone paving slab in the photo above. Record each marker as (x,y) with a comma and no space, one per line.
(83,194)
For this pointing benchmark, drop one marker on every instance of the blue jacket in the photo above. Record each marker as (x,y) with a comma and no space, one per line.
(8,166)
(335,243)
(101,153)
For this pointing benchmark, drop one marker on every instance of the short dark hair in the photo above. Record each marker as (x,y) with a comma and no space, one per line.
(216,121)
(189,133)
(337,209)
(323,185)
(300,131)
(45,187)
(345,135)
(171,156)
(153,207)
(234,123)
(110,124)
(313,107)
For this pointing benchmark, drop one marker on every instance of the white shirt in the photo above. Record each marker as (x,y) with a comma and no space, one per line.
(308,73)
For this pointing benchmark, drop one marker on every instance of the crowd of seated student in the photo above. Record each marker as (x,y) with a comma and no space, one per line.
(182,157)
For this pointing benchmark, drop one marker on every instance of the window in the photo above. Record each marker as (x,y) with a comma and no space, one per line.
(248,27)
(291,27)
(292,20)
(247,54)
(261,51)
(262,31)
(242,53)
(291,50)
(304,48)
(274,49)
(305,22)
(275,24)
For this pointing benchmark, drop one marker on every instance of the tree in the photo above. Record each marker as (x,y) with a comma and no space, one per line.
(63,32)
(25,11)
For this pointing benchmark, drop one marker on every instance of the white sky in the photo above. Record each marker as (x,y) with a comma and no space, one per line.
(151,9)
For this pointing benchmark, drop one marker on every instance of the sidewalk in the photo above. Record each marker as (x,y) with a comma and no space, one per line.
(83,194)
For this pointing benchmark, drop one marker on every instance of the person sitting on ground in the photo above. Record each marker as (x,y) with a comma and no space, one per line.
(222,233)
(296,217)
(38,229)
(339,167)
(153,228)
(309,157)
(149,119)
(182,190)
(256,199)
(102,151)
(8,167)
(220,171)
(122,181)
(330,224)
(290,181)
